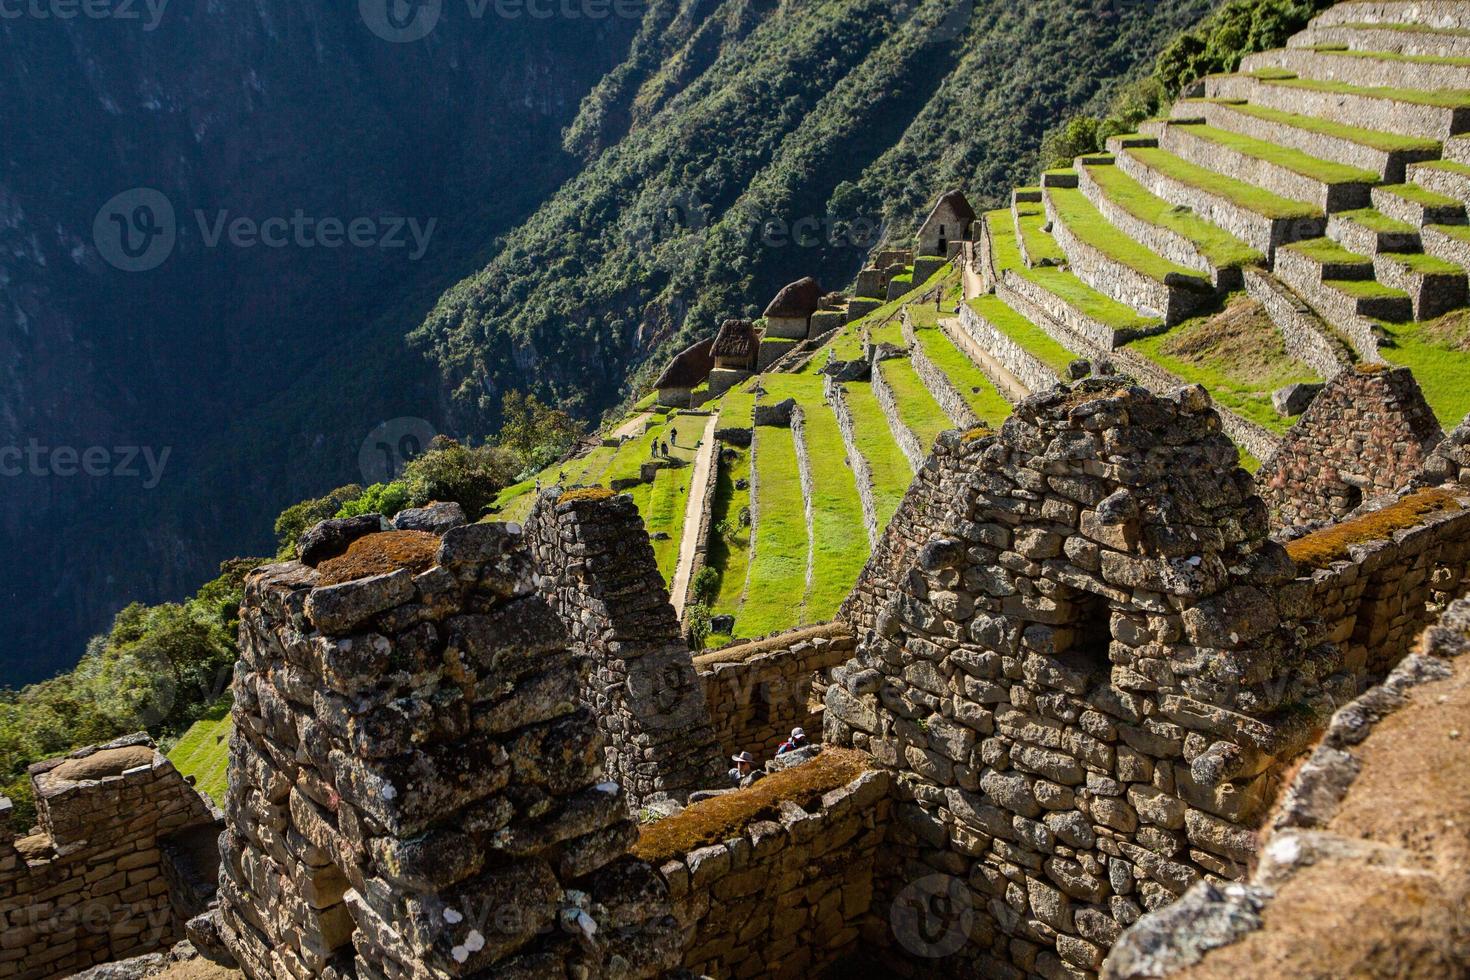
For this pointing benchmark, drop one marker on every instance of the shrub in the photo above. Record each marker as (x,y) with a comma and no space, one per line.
(468,476)
(380,498)
(696,625)
(299,518)
(706,586)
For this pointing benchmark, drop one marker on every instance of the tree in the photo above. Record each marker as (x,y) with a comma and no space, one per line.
(535,434)
(449,471)
(299,518)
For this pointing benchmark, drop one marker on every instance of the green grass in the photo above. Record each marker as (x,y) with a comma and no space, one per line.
(204,753)
(1441,372)
(663,513)
(839,536)
(972,384)
(1422,196)
(1376,221)
(1326,171)
(1240,359)
(730,554)
(778,571)
(1442,99)
(1025,333)
(1243,195)
(1365,289)
(1416,59)
(1059,282)
(917,409)
(1327,252)
(1424,265)
(1220,248)
(1375,139)
(1041,248)
(1462,232)
(1077,213)
(890,468)
(1446,166)
(1409,29)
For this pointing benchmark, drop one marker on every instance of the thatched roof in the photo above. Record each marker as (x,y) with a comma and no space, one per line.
(799,299)
(736,339)
(952,206)
(689,369)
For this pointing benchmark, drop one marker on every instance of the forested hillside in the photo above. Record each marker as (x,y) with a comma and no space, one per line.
(746,143)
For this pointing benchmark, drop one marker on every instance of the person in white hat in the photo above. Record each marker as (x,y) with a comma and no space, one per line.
(796,741)
(744,765)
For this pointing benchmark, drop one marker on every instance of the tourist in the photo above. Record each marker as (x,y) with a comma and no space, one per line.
(796,742)
(744,765)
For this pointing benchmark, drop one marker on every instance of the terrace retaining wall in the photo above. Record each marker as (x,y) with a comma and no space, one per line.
(938,383)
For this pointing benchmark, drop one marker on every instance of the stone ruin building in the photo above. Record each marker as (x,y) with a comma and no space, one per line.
(1366,434)
(1056,709)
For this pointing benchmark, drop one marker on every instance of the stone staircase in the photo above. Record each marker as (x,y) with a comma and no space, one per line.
(1336,170)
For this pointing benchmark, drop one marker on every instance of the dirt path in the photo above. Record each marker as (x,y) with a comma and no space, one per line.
(632,427)
(1010,386)
(694,514)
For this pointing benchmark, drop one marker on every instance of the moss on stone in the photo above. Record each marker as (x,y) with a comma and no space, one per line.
(1335,543)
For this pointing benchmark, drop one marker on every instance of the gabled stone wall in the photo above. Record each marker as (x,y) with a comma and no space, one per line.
(1081,679)
(1368,433)
(598,574)
(89,888)
(416,789)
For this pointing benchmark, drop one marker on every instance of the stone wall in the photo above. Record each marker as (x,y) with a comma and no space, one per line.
(1375,602)
(1364,870)
(1303,332)
(1030,370)
(599,574)
(1450,461)
(89,887)
(1084,684)
(1368,433)
(791,895)
(836,396)
(938,383)
(919,514)
(415,788)
(758,692)
(912,448)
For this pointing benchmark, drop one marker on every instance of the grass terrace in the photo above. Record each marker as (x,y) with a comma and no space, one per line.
(1372,138)
(1422,196)
(204,753)
(1376,221)
(1239,193)
(839,537)
(1025,333)
(1438,352)
(1238,354)
(1328,252)
(977,390)
(662,504)
(1043,249)
(1439,99)
(1409,29)
(890,468)
(729,553)
(1074,210)
(1425,265)
(1285,157)
(1365,289)
(1074,291)
(1416,59)
(917,408)
(778,568)
(1220,248)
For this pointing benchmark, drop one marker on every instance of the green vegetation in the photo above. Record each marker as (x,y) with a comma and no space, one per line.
(972,384)
(663,515)
(1041,248)
(778,570)
(890,468)
(1244,195)
(1376,139)
(1220,248)
(1237,354)
(1376,221)
(1216,45)
(1025,333)
(1365,289)
(1076,213)
(1439,355)
(1325,251)
(204,753)
(1415,59)
(1422,196)
(917,409)
(729,552)
(1424,265)
(1442,99)
(1285,157)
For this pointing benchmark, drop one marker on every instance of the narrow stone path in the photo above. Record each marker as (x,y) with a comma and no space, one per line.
(632,427)
(1010,386)
(704,462)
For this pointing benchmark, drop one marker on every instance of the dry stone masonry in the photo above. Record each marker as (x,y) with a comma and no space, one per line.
(1368,433)
(416,788)
(89,886)
(1082,682)
(599,575)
